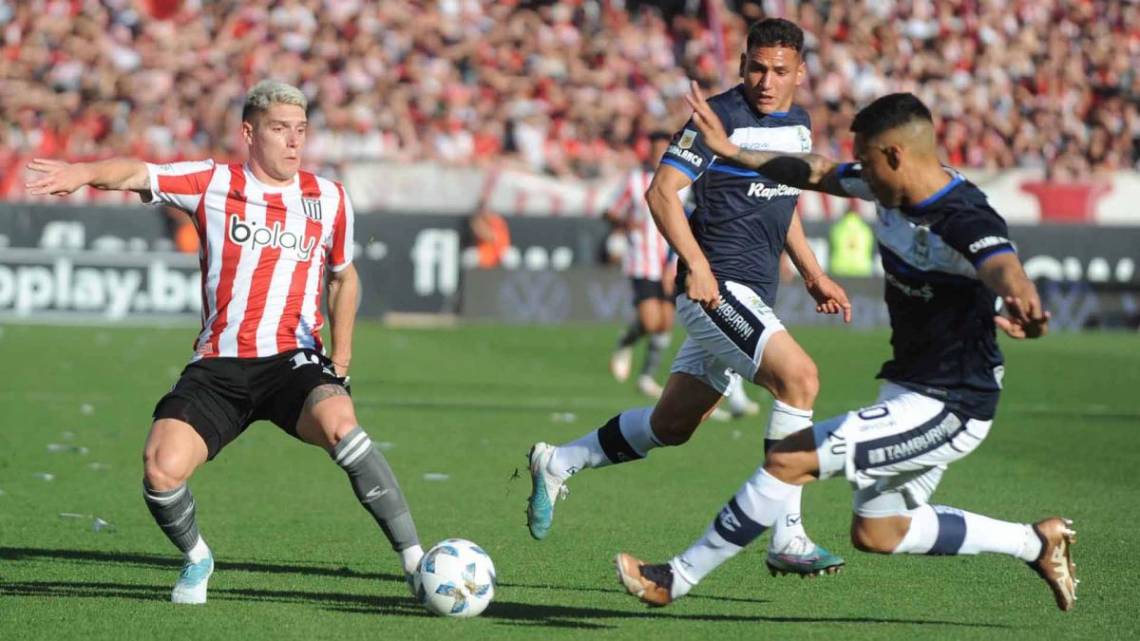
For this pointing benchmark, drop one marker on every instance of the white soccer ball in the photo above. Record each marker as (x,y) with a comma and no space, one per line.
(456,578)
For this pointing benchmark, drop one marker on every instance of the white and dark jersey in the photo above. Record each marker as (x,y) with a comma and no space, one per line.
(741,217)
(263,251)
(942,327)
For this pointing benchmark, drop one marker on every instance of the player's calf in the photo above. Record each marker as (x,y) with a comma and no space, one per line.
(379,493)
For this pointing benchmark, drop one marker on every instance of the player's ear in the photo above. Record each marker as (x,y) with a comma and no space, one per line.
(893,154)
(247,131)
(743,64)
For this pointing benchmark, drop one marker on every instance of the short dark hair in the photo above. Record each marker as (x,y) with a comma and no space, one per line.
(889,112)
(776,32)
(660,134)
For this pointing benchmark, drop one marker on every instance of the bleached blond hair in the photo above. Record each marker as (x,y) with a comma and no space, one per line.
(271,92)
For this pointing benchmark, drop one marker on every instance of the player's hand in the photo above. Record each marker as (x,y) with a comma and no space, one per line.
(57,178)
(701,287)
(1025,320)
(829,297)
(707,122)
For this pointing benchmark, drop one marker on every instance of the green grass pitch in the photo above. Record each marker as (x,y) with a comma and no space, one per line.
(298,558)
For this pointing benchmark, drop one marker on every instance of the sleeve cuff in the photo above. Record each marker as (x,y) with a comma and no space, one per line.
(981,258)
(151,197)
(685,169)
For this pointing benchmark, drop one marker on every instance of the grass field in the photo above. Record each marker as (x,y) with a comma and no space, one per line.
(298,558)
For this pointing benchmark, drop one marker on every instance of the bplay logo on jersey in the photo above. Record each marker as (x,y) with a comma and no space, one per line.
(257,236)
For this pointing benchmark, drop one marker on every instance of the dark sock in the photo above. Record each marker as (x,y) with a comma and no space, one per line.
(632,333)
(376,487)
(174,511)
(658,343)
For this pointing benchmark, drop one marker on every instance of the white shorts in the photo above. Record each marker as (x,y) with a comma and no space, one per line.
(895,451)
(729,339)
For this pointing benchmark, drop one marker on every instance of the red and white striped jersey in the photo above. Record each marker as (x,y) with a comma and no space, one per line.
(263,253)
(647,252)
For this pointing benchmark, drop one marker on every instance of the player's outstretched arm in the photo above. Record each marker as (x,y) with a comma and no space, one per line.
(803,171)
(1025,318)
(59,178)
(829,297)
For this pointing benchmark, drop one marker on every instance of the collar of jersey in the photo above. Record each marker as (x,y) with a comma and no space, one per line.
(955,180)
(270,188)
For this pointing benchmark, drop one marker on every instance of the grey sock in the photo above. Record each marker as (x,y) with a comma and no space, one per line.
(632,333)
(376,487)
(658,343)
(173,510)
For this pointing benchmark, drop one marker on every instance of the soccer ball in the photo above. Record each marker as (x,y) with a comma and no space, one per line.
(456,578)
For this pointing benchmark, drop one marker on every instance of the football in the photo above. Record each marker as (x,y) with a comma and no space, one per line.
(456,578)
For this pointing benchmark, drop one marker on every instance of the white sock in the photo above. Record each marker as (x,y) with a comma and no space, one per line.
(753,509)
(568,459)
(199,552)
(410,557)
(625,437)
(681,585)
(945,530)
(784,421)
(635,428)
(737,399)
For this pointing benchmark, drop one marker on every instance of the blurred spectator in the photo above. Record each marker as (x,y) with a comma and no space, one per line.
(566,88)
(852,245)
(491,236)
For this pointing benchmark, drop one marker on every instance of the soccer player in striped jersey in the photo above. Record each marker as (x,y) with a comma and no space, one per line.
(949,263)
(728,273)
(648,263)
(269,235)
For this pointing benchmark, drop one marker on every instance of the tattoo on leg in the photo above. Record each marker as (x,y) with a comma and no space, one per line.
(322,392)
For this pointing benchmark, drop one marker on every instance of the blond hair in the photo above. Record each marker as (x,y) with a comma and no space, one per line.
(271,92)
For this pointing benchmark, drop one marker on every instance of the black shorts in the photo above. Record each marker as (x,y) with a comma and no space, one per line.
(220,397)
(645,289)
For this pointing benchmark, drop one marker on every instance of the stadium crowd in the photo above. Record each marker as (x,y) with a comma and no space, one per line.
(567,88)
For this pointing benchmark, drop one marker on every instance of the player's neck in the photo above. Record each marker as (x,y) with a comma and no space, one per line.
(264,178)
(925,183)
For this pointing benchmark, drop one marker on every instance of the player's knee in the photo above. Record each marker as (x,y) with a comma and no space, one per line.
(802,384)
(653,323)
(339,427)
(164,470)
(787,466)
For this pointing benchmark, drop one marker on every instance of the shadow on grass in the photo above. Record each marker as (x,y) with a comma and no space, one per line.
(582,617)
(161,561)
(377,604)
(504,612)
(171,562)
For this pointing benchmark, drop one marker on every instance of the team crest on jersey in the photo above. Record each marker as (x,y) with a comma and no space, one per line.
(688,137)
(922,244)
(312,208)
